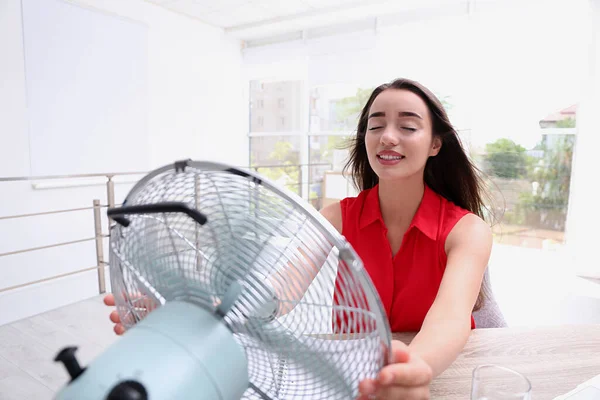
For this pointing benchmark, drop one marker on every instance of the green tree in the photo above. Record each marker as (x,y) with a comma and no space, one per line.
(334,142)
(505,159)
(566,123)
(553,178)
(287,170)
(347,109)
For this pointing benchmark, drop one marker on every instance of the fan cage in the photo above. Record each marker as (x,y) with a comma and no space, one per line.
(328,330)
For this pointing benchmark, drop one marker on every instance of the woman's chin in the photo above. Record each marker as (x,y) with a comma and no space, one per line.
(393,174)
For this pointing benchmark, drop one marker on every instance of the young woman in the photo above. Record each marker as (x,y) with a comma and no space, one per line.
(417,225)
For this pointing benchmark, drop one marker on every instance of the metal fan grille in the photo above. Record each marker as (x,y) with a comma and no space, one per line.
(329,331)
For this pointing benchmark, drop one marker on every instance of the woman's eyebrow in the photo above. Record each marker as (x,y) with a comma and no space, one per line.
(401,114)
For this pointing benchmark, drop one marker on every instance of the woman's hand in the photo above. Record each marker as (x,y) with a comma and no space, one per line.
(109,300)
(142,306)
(408,377)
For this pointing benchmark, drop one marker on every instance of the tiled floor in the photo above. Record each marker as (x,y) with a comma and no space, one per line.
(531,289)
(28,348)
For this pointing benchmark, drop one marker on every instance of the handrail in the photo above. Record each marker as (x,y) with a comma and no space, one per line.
(49,246)
(99,236)
(50,278)
(74,176)
(46,213)
(288,165)
(113,174)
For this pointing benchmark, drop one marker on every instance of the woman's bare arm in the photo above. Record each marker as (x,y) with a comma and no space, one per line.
(447,325)
(299,275)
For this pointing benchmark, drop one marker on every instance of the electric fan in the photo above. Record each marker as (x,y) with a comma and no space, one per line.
(231,287)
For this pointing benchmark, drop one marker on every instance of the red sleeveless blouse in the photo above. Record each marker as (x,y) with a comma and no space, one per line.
(408,282)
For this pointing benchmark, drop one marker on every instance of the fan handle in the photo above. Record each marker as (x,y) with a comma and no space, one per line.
(118,213)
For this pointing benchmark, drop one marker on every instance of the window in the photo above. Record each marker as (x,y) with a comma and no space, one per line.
(508,130)
(333,117)
(336,108)
(327,153)
(527,148)
(278,158)
(275,132)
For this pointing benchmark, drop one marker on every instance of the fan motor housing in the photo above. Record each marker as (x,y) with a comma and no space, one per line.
(179,351)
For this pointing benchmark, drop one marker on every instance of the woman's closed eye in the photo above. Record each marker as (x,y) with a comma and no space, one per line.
(406,128)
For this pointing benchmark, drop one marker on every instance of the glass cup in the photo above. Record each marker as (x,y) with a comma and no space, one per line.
(493,382)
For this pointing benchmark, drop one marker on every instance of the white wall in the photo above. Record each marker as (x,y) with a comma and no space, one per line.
(195,86)
(195,110)
(14,153)
(583,218)
(87,93)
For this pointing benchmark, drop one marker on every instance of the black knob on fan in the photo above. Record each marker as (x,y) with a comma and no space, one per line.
(128,390)
(67,357)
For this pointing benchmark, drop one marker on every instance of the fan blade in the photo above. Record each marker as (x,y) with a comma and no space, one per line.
(310,362)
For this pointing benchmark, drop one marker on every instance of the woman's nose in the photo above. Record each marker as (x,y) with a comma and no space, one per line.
(389,137)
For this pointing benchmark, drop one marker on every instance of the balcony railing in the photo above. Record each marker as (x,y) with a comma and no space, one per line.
(98,206)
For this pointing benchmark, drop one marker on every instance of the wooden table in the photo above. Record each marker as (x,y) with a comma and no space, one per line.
(555,359)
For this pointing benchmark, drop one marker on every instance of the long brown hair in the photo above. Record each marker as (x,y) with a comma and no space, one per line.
(451,173)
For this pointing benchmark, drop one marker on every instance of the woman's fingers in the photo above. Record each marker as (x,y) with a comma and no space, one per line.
(408,375)
(137,300)
(404,393)
(400,352)
(370,388)
(139,304)
(119,329)
(367,386)
(407,369)
(109,299)
(114,317)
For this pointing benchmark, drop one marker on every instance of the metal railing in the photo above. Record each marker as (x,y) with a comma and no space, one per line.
(98,236)
(97,207)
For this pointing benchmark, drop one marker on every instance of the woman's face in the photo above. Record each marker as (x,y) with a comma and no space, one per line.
(399,136)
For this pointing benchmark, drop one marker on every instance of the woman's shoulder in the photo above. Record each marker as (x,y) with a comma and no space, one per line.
(451,211)
(455,218)
(461,224)
(335,212)
(471,231)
